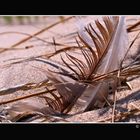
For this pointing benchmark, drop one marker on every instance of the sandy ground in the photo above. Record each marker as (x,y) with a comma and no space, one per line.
(25,72)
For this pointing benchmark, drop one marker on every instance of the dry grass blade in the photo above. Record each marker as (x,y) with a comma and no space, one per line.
(25,34)
(115,99)
(11,49)
(25,97)
(42,40)
(40,59)
(132,70)
(23,87)
(129,48)
(37,33)
(132,27)
(119,117)
(113,111)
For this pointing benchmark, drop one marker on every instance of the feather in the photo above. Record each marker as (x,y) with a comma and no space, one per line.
(68,89)
(28,107)
(103,51)
(115,46)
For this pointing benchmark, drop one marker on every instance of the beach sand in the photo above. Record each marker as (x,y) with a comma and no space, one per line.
(23,73)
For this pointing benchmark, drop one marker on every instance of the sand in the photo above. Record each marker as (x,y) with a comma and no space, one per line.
(25,72)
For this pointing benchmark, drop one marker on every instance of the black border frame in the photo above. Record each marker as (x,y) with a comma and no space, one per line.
(68,8)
